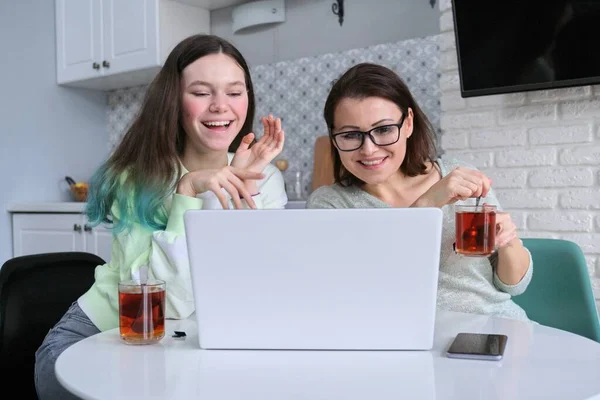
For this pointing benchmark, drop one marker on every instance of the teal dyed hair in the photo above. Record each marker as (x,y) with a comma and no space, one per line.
(119,201)
(132,186)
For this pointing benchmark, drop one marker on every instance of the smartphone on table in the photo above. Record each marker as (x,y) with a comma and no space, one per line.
(478,346)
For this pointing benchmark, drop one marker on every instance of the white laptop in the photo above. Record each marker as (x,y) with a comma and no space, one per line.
(321,279)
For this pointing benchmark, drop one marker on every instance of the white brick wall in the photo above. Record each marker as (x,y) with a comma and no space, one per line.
(541,149)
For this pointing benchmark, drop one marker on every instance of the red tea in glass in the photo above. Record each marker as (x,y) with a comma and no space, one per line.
(142,311)
(475,230)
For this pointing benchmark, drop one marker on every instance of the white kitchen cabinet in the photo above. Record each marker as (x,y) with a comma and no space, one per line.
(112,44)
(35,233)
(63,226)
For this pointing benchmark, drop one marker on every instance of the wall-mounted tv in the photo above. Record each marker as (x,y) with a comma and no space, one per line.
(506,46)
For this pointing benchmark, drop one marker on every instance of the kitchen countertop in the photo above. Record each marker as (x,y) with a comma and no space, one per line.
(75,207)
(49,207)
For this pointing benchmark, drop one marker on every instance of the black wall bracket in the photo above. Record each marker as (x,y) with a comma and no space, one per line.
(338,9)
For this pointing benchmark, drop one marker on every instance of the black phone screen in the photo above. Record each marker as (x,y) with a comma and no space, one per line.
(478,344)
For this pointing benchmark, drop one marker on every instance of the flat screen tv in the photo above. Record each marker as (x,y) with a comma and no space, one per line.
(506,46)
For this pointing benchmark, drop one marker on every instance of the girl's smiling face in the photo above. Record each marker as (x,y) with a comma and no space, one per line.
(214,102)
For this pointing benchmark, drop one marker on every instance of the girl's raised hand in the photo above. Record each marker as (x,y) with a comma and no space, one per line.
(268,147)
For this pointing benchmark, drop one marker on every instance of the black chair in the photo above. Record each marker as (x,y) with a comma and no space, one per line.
(35,292)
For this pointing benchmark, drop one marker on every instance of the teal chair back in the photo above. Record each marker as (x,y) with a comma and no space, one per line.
(560,293)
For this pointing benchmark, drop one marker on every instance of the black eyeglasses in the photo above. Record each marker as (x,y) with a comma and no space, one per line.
(384,135)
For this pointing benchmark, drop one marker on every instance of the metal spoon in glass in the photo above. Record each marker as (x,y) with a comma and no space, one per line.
(472,232)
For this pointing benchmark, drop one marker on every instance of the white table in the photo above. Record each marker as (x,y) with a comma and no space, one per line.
(539,363)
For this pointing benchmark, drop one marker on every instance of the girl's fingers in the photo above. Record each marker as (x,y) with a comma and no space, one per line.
(270,126)
(235,196)
(267,130)
(277,134)
(241,188)
(216,189)
(266,126)
(270,140)
(249,200)
(246,141)
(279,140)
(274,129)
(278,125)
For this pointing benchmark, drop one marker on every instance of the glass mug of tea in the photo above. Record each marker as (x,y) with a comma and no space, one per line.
(142,311)
(475,230)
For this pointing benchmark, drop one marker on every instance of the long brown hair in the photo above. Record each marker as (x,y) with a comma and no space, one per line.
(373,80)
(143,169)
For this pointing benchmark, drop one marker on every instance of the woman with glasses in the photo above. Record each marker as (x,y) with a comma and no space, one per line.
(384,156)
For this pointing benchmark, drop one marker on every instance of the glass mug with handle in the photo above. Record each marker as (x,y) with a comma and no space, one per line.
(475,230)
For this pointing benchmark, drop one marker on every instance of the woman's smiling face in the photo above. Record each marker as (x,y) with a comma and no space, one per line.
(371,163)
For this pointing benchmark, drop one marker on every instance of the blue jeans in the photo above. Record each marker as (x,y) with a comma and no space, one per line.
(72,327)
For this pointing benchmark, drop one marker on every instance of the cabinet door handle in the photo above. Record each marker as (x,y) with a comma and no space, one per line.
(105,64)
(87,228)
(77,228)
(96,65)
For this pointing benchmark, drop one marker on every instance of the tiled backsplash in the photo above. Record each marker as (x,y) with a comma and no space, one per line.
(296,91)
